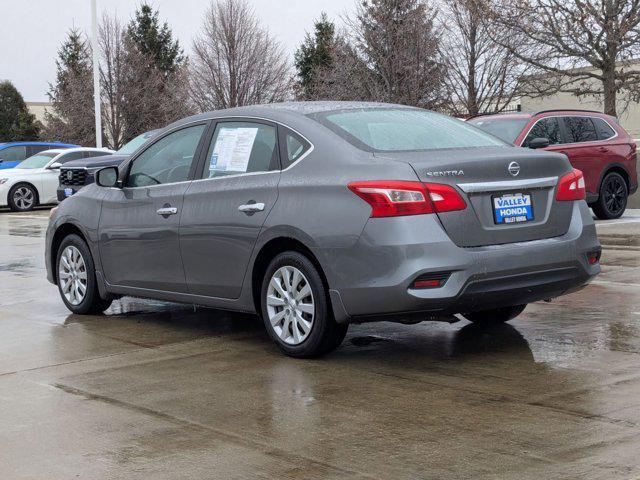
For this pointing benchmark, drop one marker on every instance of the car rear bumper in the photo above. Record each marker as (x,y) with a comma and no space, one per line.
(372,281)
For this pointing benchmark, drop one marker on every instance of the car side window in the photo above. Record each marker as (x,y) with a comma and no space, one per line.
(294,147)
(604,129)
(241,147)
(545,128)
(168,160)
(580,129)
(94,153)
(13,154)
(67,157)
(33,149)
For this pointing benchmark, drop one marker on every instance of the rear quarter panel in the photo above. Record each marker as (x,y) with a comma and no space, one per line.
(314,203)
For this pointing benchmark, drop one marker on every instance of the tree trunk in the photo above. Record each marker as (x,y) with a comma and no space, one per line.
(472,93)
(609,88)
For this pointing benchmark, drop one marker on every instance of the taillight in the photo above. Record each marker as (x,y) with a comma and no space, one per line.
(392,198)
(430,280)
(571,186)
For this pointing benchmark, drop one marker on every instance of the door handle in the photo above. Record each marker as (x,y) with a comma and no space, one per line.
(166,211)
(251,207)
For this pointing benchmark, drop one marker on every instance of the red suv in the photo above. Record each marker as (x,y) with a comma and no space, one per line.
(594,143)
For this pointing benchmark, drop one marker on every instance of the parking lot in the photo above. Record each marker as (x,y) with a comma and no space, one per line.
(157,390)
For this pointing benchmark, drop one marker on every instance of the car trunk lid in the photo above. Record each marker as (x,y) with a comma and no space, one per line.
(481,176)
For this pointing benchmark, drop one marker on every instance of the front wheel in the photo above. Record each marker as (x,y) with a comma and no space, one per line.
(22,198)
(77,278)
(612,201)
(494,316)
(295,308)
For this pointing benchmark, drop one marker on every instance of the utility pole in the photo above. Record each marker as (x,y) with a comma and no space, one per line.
(96,73)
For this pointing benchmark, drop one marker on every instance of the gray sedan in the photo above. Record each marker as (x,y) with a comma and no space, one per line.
(316,215)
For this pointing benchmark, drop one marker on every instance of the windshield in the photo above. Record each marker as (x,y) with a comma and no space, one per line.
(403,129)
(37,161)
(507,129)
(130,147)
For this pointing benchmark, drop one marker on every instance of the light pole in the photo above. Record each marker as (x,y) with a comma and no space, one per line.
(96,72)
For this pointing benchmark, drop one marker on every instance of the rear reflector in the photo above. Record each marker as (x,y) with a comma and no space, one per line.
(392,198)
(430,280)
(593,257)
(571,186)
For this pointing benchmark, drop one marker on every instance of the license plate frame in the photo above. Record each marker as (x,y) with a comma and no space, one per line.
(518,210)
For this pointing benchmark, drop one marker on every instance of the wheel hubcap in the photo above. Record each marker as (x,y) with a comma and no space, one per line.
(290,305)
(615,197)
(23,198)
(72,275)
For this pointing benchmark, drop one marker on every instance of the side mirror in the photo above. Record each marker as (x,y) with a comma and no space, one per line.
(55,166)
(107,177)
(539,142)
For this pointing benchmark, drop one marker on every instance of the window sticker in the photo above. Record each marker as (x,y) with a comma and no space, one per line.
(232,150)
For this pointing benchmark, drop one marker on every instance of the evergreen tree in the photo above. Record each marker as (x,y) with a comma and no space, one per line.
(72,118)
(155,40)
(16,123)
(314,55)
(156,92)
(398,41)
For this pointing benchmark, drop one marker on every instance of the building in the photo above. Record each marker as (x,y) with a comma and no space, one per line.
(629,117)
(38,109)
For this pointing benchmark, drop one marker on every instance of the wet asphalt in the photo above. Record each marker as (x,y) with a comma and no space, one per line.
(163,391)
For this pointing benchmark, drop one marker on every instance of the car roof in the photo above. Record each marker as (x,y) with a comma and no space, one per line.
(13,144)
(58,151)
(542,113)
(280,111)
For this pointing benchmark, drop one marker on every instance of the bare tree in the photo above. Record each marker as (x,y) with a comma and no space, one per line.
(235,60)
(587,47)
(112,79)
(482,75)
(346,78)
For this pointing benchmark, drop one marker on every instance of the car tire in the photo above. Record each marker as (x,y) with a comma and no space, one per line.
(296,310)
(495,316)
(22,197)
(75,272)
(612,200)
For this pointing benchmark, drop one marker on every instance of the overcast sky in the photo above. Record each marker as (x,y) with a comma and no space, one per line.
(32,30)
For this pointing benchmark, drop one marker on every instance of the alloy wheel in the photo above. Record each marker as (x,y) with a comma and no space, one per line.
(72,275)
(615,195)
(290,305)
(23,198)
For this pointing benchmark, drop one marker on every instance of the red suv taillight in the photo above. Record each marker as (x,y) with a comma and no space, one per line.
(571,186)
(393,198)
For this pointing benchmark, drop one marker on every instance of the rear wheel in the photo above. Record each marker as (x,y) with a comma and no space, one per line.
(296,310)
(612,201)
(494,316)
(77,278)
(22,197)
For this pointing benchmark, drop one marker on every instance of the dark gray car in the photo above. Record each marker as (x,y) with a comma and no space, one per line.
(316,215)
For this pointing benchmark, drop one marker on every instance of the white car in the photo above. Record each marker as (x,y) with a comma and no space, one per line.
(34,181)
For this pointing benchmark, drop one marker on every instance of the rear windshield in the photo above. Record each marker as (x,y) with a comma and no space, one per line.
(406,129)
(507,129)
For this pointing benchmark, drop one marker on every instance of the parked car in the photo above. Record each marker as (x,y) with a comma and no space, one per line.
(35,180)
(79,173)
(319,214)
(595,143)
(12,153)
